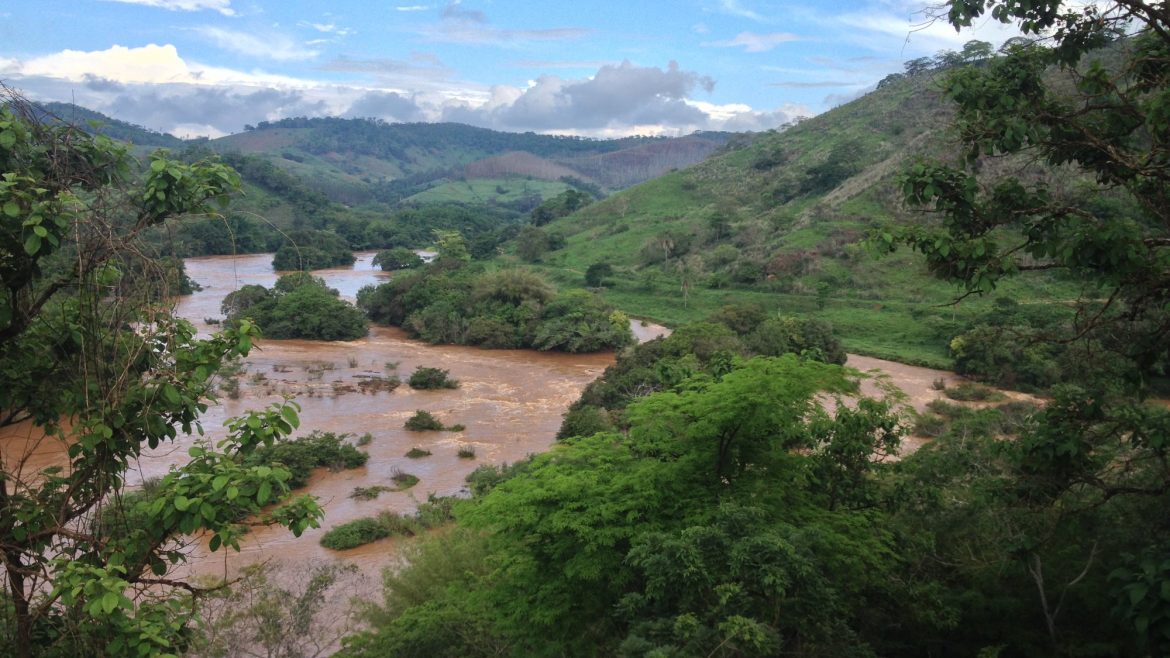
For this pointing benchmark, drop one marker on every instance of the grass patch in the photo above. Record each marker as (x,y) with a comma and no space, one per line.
(467,452)
(418,453)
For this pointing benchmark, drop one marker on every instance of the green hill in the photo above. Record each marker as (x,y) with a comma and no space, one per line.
(360,160)
(779,219)
(98,123)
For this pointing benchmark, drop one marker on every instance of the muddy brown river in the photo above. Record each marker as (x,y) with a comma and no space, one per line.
(510,402)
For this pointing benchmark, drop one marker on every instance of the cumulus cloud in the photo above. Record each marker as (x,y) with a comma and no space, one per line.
(617,96)
(149,64)
(388,106)
(222,6)
(266,46)
(155,87)
(754,43)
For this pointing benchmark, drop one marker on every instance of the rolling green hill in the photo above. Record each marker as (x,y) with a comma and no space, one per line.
(779,219)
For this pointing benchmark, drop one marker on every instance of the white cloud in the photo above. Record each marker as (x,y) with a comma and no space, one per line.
(735,8)
(222,6)
(327,28)
(150,64)
(700,28)
(755,43)
(154,86)
(268,46)
(413,8)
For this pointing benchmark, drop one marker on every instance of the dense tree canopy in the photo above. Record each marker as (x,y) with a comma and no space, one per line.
(452,302)
(298,306)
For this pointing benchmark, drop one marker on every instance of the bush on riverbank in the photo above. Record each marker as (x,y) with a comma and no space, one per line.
(298,306)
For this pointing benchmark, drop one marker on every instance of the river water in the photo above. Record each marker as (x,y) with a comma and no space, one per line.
(510,402)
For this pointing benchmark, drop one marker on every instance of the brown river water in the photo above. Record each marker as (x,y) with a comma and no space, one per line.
(510,402)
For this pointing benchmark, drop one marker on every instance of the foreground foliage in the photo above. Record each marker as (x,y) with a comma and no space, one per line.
(106,376)
(720,523)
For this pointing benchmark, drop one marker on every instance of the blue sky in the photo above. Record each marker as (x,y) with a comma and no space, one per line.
(208,67)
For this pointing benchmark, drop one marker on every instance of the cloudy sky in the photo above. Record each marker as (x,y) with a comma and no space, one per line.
(598,68)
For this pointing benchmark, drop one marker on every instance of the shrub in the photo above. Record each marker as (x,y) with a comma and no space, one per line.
(422,421)
(355,533)
(436,511)
(930,425)
(301,456)
(467,452)
(418,453)
(368,493)
(972,392)
(403,480)
(424,378)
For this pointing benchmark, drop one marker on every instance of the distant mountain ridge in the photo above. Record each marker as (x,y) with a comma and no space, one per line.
(354,161)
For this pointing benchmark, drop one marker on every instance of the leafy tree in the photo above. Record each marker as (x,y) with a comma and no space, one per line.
(452,247)
(312,250)
(398,258)
(298,306)
(596,273)
(1091,101)
(695,533)
(128,377)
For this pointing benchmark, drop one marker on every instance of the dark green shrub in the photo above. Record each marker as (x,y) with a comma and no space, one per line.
(302,455)
(353,534)
(424,378)
(422,421)
(418,453)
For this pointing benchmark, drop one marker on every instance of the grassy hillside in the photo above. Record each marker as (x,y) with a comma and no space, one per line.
(780,221)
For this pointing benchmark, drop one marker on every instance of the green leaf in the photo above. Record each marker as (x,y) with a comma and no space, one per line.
(158,165)
(171,393)
(290,414)
(32,244)
(263,492)
(110,601)
(182,503)
(11,209)
(219,482)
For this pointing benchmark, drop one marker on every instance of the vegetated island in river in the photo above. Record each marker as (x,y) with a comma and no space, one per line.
(453,301)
